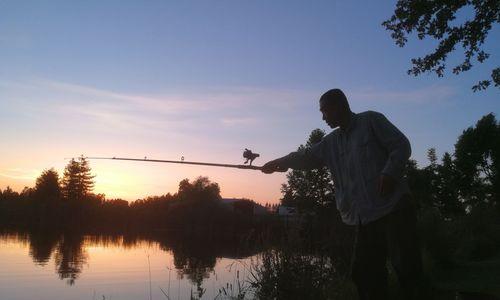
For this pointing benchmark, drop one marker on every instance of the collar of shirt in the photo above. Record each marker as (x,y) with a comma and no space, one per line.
(352,124)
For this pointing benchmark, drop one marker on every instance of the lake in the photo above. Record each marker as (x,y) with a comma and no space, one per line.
(70,266)
(53,265)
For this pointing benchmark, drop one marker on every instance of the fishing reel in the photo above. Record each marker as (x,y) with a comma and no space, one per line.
(250,156)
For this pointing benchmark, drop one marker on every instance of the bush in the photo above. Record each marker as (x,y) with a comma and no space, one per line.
(288,274)
(475,236)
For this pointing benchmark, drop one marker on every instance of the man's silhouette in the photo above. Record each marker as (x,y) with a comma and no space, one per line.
(367,156)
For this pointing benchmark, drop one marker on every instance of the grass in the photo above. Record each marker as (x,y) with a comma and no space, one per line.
(293,275)
(462,255)
(481,277)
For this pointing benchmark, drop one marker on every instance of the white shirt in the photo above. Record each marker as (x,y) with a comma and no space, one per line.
(357,157)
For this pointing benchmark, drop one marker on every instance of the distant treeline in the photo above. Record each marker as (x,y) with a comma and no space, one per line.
(69,203)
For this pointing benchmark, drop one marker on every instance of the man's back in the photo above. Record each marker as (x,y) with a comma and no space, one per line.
(357,156)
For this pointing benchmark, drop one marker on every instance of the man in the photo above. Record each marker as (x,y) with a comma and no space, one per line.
(367,156)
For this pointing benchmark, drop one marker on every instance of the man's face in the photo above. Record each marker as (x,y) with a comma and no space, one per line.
(331,113)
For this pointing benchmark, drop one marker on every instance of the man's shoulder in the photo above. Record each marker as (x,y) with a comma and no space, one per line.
(332,134)
(369,114)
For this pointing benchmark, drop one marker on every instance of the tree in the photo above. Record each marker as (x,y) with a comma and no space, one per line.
(197,207)
(47,187)
(477,154)
(202,189)
(308,190)
(77,181)
(438,20)
(9,193)
(432,173)
(448,199)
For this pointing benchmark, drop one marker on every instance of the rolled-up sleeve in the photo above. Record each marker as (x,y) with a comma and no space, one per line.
(394,142)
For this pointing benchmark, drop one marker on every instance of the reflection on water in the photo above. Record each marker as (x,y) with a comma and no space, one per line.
(195,262)
(48,265)
(42,246)
(114,261)
(70,257)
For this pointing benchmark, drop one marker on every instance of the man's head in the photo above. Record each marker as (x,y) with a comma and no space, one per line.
(335,108)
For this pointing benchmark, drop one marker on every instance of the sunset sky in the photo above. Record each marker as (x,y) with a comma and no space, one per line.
(205,80)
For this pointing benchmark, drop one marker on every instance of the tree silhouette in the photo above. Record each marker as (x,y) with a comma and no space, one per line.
(47,187)
(432,176)
(448,188)
(466,179)
(9,193)
(46,197)
(477,153)
(308,190)
(77,181)
(202,189)
(438,20)
(419,181)
(436,185)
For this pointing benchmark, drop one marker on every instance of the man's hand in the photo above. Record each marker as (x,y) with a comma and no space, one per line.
(274,166)
(386,185)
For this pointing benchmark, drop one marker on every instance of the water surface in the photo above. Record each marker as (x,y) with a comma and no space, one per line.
(63,266)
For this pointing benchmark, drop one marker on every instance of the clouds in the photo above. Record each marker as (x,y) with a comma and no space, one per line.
(239,121)
(192,110)
(163,110)
(20,174)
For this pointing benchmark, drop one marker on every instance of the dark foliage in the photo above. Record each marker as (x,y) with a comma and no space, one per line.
(459,197)
(438,20)
(312,190)
(469,178)
(477,154)
(77,181)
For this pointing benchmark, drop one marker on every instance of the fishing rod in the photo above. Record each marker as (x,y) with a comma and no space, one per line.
(248,154)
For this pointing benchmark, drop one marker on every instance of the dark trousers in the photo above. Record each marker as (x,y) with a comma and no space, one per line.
(393,236)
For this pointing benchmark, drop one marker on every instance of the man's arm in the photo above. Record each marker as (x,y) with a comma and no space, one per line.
(306,159)
(394,142)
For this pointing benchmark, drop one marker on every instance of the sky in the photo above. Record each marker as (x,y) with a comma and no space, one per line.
(205,80)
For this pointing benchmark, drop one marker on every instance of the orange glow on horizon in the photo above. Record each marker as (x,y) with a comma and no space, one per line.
(136,180)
